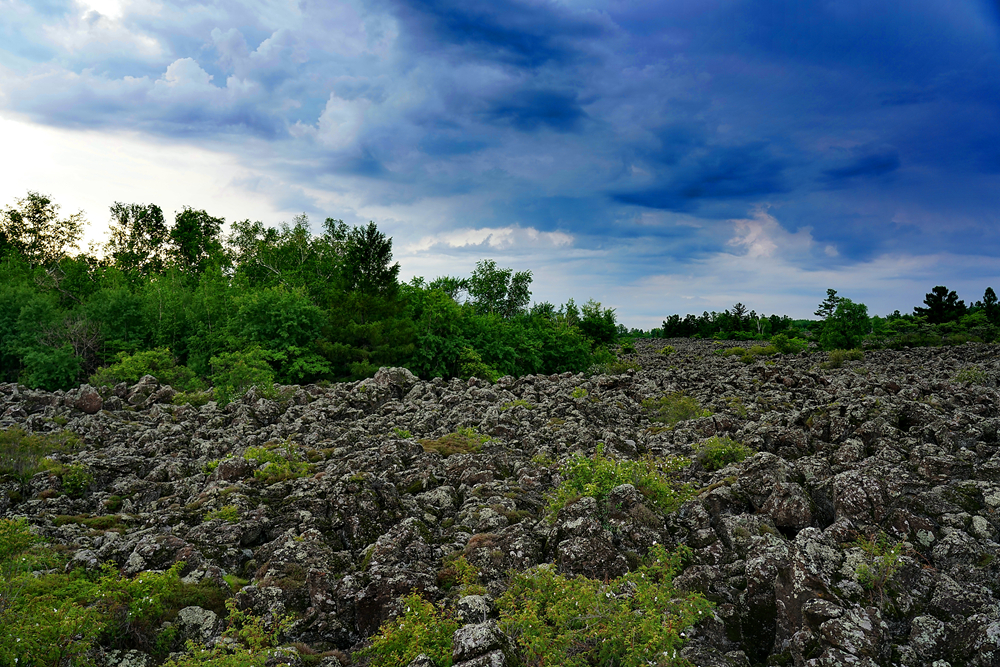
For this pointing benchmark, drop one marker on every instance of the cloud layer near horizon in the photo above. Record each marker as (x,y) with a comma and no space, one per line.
(662,158)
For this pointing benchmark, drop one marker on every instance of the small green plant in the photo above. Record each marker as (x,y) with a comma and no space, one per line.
(673,408)
(422,628)
(636,620)
(737,405)
(22,454)
(519,403)
(972,375)
(402,433)
(462,441)
(194,398)
(114,503)
(459,573)
(228,513)
(716,453)
(277,462)
(785,345)
(836,358)
(76,479)
(158,362)
(235,583)
(596,476)
(211,466)
(882,560)
(579,392)
(248,642)
(667,350)
(627,348)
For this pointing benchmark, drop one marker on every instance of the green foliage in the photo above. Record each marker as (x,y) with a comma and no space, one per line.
(785,345)
(634,621)
(836,358)
(33,229)
(401,433)
(498,291)
(246,642)
(882,560)
(579,392)
(716,452)
(234,373)
(277,462)
(228,513)
(596,476)
(972,375)
(666,350)
(51,368)
(158,362)
(461,575)
(519,403)
(674,408)
(195,398)
(76,479)
(462,441)
(422,628)
(22,453)
(847,325)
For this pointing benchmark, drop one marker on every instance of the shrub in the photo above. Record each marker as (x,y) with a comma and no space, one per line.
(632,621)
(667,350)
(716,452)
(246,642)
(882,561)
(195,398)
(76,480)
(596,476)
(402,433)
(22,453)
(579,392)
(627,348)
(422,628)
(228,513)
(158,362)
(233,373)
(836,358)
(463,441)
(674,408)
(459,572)
(785,345)
(972,375)
(277,462)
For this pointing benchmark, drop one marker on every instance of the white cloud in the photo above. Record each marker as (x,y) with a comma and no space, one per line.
(496,238)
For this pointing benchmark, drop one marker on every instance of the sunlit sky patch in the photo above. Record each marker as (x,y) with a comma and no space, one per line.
(660,158)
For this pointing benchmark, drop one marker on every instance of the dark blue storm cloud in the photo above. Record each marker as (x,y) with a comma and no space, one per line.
(866,129)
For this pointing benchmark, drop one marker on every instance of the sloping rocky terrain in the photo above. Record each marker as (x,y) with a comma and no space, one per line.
(894,444)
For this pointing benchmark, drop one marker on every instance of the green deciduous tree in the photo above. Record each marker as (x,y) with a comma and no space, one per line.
(137,238)
(498,291)
(195,240)
(844,329)
(34,229)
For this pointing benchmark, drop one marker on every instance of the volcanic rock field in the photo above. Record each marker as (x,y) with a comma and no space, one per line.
(899,449)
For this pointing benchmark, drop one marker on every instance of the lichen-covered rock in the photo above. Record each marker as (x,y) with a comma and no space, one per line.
(887,464)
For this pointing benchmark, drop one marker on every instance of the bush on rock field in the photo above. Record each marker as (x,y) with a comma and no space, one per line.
(838,515)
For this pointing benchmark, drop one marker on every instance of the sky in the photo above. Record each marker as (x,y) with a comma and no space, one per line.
(658,157)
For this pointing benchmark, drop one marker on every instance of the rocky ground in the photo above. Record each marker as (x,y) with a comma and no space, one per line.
(895,443)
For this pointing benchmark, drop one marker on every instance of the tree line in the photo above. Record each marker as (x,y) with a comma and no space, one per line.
(943,319)
(188,302)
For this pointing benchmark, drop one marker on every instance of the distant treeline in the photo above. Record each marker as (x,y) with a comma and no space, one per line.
(943,319)
(197,307)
